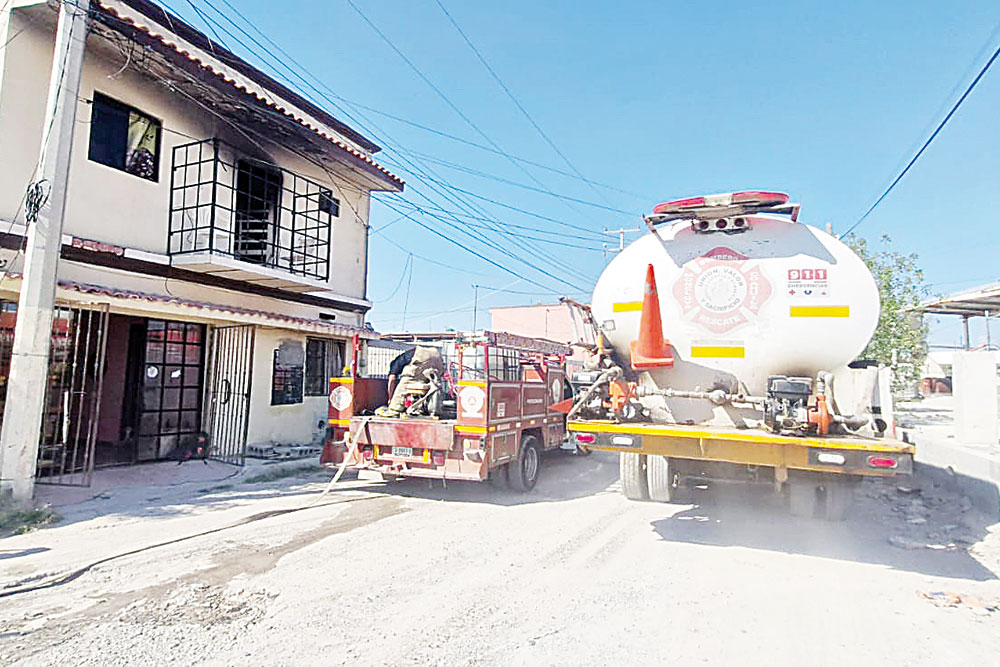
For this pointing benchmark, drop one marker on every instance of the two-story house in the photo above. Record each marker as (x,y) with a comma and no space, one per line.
(215,247)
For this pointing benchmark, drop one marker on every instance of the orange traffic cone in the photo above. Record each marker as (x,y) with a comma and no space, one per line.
(652,350)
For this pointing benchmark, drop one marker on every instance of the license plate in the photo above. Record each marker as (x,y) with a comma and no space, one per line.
(402,451)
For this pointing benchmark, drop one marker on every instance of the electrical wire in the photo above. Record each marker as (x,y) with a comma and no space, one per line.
(477,254)
(524,112)
(913,160)
(524,236)
(458,269)
(406,266)
(497,227)
(537,230)
(406,302)
(423,77)
(596,235)
(492,244)
(406,121)
(205,21)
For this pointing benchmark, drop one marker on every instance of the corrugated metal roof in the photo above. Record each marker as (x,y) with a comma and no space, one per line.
(214,311)
(976,302)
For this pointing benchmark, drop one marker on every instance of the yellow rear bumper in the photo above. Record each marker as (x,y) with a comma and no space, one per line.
(747,447)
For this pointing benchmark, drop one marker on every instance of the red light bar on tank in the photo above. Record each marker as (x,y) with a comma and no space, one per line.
(727,204)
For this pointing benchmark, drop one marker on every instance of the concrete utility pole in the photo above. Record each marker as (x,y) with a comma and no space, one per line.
(29,366)
(621,232)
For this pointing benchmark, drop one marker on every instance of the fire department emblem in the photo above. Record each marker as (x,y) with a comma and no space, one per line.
(472,399)
(340,398)
(721,290)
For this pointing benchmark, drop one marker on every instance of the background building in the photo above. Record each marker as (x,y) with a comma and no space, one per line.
(552,321)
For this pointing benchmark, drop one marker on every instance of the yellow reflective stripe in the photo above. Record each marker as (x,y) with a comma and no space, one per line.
(470,429)
(820,311)
(718,351)
(626,307)
(340,422)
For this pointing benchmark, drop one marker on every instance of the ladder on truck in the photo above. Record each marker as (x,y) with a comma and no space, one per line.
(586,333)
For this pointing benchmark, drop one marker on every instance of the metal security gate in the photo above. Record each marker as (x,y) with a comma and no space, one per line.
(73,395)
(231,373)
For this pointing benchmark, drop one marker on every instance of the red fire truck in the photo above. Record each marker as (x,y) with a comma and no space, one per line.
(495,420)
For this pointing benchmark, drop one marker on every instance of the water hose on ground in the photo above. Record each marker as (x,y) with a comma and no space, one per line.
(352,449)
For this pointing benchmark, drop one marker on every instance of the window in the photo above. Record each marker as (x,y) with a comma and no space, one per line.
(324,359)
(286,374)
(124,138)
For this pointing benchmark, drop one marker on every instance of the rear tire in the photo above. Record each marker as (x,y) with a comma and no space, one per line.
(522,474)
(660,478)
(632,472)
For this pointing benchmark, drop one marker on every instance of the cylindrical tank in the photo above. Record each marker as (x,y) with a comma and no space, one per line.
(780,298)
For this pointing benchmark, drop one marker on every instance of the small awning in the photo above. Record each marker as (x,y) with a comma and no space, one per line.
(977,302)
(156,305)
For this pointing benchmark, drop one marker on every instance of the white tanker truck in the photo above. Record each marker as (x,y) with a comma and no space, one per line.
(725,345)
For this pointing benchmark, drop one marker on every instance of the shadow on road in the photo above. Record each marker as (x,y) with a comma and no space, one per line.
(879,530)
(564,476)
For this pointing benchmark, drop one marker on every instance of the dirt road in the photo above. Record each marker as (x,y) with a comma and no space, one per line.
(569,574)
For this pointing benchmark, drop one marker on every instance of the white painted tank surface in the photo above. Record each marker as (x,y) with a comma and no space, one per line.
(781,298)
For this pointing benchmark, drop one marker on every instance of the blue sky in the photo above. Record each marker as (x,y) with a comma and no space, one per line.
(826,101)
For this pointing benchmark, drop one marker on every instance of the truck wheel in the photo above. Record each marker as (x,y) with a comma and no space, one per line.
(632,472)
(523,473)
(660,478)
(498,477)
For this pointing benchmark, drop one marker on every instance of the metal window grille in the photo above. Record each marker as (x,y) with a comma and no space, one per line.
(250,210)
(505,364)
(324,359)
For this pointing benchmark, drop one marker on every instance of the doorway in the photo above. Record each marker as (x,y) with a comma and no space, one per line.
(257,207)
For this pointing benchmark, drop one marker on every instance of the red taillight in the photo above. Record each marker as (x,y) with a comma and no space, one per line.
(367,453)
(882,462)
(438,458)
(586,438)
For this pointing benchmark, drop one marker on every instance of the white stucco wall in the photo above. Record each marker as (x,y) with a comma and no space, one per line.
(280,424)
(113,206)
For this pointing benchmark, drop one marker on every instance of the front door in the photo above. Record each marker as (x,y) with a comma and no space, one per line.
(232,371)
(169,408)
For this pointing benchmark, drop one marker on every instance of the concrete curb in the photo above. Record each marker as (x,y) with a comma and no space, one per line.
(959,469)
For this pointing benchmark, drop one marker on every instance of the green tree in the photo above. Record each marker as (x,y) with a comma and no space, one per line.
(900,340)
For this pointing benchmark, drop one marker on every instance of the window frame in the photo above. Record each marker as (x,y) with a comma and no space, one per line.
(311,377)
(112,103)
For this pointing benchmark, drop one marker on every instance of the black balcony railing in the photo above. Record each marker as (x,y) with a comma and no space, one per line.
(250,210)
